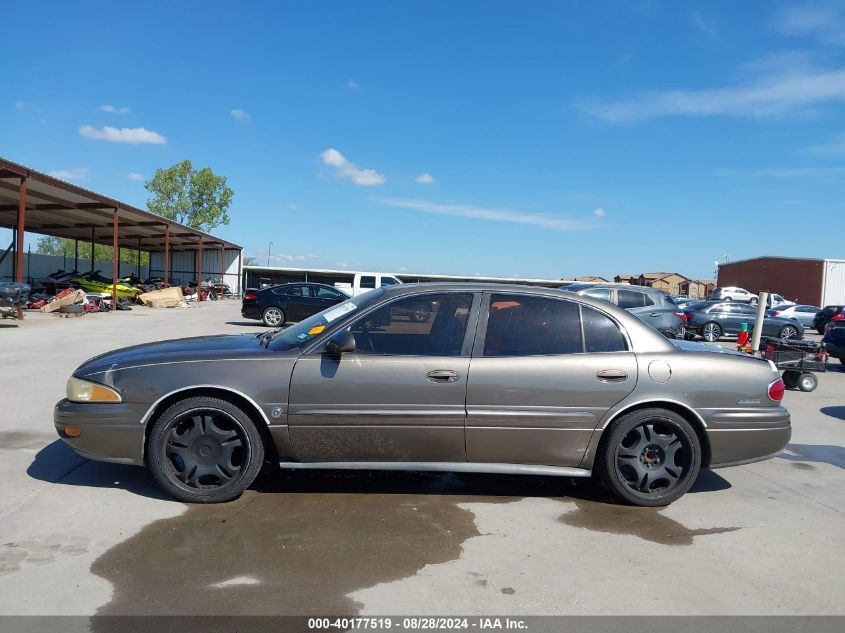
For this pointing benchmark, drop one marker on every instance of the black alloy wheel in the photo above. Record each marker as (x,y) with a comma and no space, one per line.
(650,458)
(205,450)
(788,331)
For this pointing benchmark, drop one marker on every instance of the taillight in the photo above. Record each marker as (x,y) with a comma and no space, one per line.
(775,313)
(776,390)
(837,317)
(250,296)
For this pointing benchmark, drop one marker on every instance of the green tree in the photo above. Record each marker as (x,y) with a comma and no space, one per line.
(196,197)
(64,246)
(250,261)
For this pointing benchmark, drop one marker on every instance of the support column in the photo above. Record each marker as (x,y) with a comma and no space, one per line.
(92,249)
(20,230)
(115,262)
(167,255)
(222,268)
(76,253)
(138,266)
(199,264)
(240,273)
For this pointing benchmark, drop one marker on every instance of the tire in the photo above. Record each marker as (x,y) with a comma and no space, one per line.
(711,331)
(808,382)
(790,379)
(273,317)
(204,450)
(752,301)
(820,330)
(788,331)
(420,315)
(728,299)
(638,462)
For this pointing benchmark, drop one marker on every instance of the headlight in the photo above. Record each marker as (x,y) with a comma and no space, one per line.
(83,391)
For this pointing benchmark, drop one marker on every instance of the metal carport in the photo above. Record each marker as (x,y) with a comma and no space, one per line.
(35,202)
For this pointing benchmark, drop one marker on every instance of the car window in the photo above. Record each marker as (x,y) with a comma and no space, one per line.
(522,325)
(327,293)
(368,281)
(647,301)
(298,291)
(308,329)
(629,299)
(599,293)
(601,334)
(720,308)
(743,309)
(389,281)
(420,325)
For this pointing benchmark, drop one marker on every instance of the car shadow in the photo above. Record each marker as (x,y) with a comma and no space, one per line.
(819,453)
(255,323)
(56,463)
(834,412)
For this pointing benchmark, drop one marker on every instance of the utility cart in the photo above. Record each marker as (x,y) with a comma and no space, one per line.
(799,360)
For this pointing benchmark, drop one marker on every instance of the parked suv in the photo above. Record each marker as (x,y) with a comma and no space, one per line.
(653,306)
(734,293)
(829,314)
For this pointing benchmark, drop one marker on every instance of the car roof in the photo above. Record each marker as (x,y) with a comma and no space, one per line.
(584,285)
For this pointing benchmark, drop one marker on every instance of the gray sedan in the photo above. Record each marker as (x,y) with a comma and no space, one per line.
(498,379)
(713,319)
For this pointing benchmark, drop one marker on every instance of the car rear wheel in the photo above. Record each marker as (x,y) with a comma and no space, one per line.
(790,379)
(273,317)
(807,382)
(651,457)
(820,330)
(711,332)
(204,450)
(788,331)
(753,301)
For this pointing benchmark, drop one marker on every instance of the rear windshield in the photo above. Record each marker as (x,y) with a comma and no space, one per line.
(305,331)
(829,310)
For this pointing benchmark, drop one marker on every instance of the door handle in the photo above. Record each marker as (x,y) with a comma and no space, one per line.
(654,315)
(611,375)
(442,375)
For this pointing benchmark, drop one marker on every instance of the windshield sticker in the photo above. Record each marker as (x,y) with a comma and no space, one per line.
(316,330)
(339,311)
(302,336)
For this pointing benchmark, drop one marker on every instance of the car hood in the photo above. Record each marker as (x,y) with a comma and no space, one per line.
(200,348)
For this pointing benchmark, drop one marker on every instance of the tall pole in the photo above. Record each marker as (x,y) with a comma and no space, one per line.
(92,249)
(762,300)
(21,228)
(222,271)
(199,264)
(167,255)
(115,253)
(268,254)
(138,266)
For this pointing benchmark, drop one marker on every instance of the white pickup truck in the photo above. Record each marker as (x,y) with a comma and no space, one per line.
(366,281)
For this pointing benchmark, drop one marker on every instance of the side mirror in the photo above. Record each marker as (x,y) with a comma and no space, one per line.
(343,341)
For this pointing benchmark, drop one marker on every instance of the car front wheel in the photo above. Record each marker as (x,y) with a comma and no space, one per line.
(204,450)
(273,317)
(651,457)
(787,331)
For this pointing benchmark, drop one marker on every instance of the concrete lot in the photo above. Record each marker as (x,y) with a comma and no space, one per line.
(79,537)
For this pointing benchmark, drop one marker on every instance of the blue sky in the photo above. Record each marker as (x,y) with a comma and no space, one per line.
(539,139)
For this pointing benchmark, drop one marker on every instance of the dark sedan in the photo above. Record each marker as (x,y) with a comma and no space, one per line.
(713,319)
(497,379)
(277,305)
(834,340)
(829,314)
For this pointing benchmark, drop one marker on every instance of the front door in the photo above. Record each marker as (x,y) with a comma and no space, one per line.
(538,386)
(400,396)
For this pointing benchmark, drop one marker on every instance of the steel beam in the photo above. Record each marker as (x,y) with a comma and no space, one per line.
(21,229)
(115,263)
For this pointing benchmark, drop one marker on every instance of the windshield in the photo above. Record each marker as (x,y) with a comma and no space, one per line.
(301,333)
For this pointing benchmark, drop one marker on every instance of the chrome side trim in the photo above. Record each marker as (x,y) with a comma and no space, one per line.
(656,402)
(457,467)
(152,408)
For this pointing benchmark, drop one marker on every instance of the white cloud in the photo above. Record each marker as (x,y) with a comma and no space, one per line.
(780,92)
(347,169)
(425,178)
(599,213)
(352,84)
(282,257)
(19,104)
(241,115)
(80,173)
(134,135)
(112,110)
(492,215)
(342,264)
(824,23)
(834,148)
(134,175)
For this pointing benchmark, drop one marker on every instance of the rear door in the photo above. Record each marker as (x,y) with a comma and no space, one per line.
(538,385)
(399,397)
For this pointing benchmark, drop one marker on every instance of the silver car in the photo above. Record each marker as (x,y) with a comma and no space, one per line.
(804,314)
(497,379)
